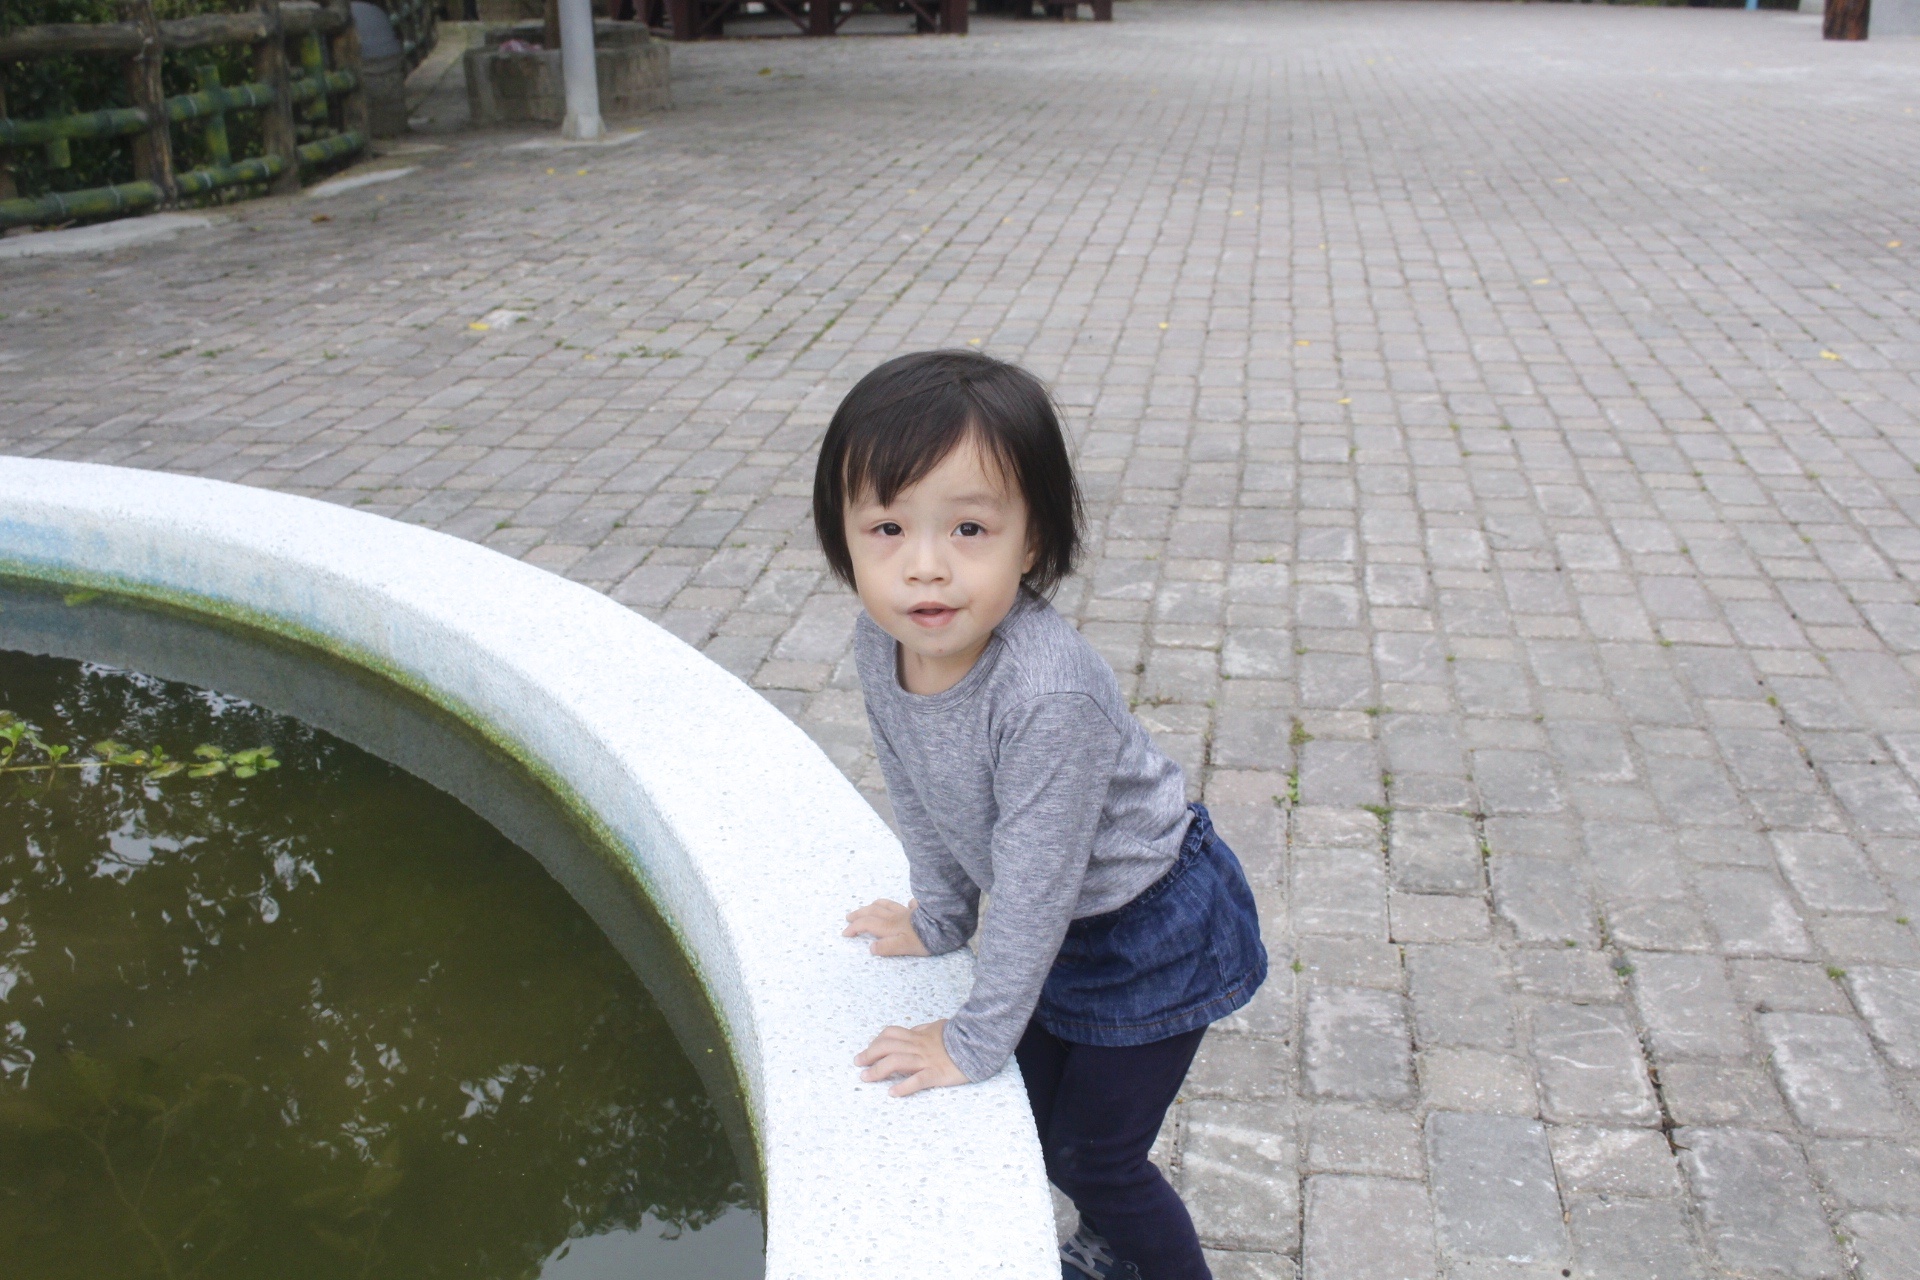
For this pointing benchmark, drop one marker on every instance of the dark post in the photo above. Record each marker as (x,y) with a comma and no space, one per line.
(1846,19)
(7,190)
(550,34)
(820,17)
(953,17)
(276,120)
(153,146)
(344,54)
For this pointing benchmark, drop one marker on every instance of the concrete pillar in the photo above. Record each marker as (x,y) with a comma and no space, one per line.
(578,67)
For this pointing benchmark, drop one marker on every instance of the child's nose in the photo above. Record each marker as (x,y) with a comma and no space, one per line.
(926,564)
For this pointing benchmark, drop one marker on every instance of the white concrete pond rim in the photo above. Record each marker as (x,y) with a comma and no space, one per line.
(752,843)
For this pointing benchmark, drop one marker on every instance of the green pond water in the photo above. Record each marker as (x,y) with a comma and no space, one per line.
(319,1021)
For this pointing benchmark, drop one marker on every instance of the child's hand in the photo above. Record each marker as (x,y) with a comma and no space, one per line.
(890,925)
(918,1053)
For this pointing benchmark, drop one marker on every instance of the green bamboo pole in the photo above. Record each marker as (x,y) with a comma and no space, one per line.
(95,202)
(340,144)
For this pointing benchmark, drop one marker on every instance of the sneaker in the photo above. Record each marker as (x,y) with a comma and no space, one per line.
(1085,1254)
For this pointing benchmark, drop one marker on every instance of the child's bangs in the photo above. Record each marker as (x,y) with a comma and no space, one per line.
(886,463)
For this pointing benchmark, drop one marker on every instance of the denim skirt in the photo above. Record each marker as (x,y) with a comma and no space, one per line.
(1184,953)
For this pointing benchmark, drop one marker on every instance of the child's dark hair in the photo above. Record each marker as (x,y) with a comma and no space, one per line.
(901,420)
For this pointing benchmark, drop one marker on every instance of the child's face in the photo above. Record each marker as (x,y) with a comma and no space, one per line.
(940,566)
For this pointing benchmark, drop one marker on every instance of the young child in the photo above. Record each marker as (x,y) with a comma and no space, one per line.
(1119,923)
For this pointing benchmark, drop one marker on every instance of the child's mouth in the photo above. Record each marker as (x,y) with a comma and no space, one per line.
(931,615)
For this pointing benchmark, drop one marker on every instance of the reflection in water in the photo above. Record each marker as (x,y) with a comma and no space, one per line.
(318,1022)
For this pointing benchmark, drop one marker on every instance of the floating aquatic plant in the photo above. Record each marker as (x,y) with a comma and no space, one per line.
(23,750)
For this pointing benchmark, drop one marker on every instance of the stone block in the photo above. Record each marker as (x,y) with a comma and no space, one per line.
(1590,1066)
(1613,1162)
(1687,1006)
(1349,962)
(1758,1204)
(1566,974)
(1889,999)
(1433,853)
(1249,1068)
(1516,782)
(1460,996)
(1356,1045)
(528,87)
(1433,917)
(1831,1078)
(1339,891)
(1633,1240)
(1869,1175)
(1752,914)
(1543,900)
(1237,1176)
(1343,1139)
(1887,1245)
(1719,1093)
(1770,986)
(1493,1190)
(1367,1229)
(1828,871)
(1474,1080)
(1240,1265)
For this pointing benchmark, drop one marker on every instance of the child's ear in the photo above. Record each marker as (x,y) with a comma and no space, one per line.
(1033,554)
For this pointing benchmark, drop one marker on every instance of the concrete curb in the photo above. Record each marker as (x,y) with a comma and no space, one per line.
(752,844)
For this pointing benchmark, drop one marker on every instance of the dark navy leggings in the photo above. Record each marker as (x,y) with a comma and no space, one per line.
(1098,1111)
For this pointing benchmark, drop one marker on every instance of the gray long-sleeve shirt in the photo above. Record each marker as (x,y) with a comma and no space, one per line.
(1031,781)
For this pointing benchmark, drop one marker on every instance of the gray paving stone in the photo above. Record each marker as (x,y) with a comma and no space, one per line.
(1770,985)
(1355,1045)
(1434,853)
(1590,1066)
(1586,977)
(1830,1076)
(1687,1006)
(1493,1189)
(1476,1080)
(1720,1094)
(1240,1265)
(1889,999)
(1339,891)
(1459,996)
(1869,1174)
(1542,900)
(1887,1245)
(1752,914)
(1435,917)
(1632,1240)
(1613,1162)
(1758,1204)
(1246,1067)
(1344,1139)
(1367,1229)
(1237,1175)
(1828,871)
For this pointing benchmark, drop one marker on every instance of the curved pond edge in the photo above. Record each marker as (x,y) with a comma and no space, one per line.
(749,841)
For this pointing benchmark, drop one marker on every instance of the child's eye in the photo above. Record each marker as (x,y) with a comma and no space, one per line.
(969,529)
(888,528)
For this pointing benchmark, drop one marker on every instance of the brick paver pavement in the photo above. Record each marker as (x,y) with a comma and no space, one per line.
(1501,429)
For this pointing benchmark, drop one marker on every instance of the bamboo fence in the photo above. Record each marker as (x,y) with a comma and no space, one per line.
(306,80)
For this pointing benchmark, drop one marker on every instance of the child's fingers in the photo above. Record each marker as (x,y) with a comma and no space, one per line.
(890,1039)
(895,1063)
